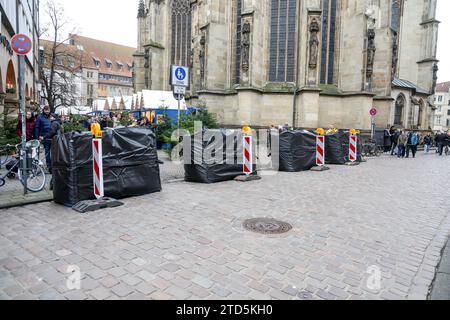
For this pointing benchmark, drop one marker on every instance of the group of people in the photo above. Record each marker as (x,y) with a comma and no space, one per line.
(442,141)
(43,128)
(404,143)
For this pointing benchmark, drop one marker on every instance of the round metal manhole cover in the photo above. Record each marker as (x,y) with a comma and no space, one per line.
(267,226)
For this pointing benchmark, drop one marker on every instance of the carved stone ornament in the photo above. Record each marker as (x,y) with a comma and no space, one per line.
(394,55)
(202,59)
(435,78)
(415,100)
(246,30)
(314,29)
(371,50)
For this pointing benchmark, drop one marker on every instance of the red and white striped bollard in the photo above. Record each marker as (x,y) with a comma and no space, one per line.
(97,149)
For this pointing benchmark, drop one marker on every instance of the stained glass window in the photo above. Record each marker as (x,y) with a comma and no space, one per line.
(181,32)
(328,41)
(283,29)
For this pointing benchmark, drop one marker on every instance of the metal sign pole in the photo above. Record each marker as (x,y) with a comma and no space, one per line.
(179,115)
(22,45)
(373,129)
(23,153)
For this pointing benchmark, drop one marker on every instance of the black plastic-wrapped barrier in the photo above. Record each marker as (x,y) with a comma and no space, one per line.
(130,165)
(297,151)
(337,148)
(216,156)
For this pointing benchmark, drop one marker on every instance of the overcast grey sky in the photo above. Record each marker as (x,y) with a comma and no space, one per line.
(115,21)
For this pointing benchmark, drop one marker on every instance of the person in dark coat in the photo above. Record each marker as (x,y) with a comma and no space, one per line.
(43,127)
(394,141)
(440,142)
(387,139)
(55,129)
(427,143)
(30,126)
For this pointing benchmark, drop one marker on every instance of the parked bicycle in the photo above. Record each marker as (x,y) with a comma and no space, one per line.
(371,149)
(36,178)
(5,154)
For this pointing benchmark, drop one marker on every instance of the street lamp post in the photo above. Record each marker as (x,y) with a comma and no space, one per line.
(294,104)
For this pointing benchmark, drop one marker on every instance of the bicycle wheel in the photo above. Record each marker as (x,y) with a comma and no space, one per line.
(4,160)
(36,179)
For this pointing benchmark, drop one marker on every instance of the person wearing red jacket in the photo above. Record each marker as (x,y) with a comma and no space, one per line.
(30,126)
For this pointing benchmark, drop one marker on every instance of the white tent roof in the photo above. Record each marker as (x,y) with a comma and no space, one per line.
(99,105)
(76,110)
(154,99)
(127,100)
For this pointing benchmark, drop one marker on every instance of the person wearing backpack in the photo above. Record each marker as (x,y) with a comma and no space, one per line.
(413,142)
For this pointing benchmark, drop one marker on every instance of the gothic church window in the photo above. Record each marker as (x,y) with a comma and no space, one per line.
(181,32)
(395,15)
(399,106)
(283,29)
(328,41)
(238,40)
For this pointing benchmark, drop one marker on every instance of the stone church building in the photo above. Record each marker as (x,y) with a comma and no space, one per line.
(308,63)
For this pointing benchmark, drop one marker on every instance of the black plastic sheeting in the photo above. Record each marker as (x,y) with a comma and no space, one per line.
(297,151)
(337,148)
(211,160)
(130,165)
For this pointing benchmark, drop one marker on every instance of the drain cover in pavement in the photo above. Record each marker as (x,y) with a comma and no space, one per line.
(267,226)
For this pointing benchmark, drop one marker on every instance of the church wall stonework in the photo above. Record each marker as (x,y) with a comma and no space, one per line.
(366,59)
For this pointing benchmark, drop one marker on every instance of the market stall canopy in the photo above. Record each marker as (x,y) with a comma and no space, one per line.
(154,99)
(73,110)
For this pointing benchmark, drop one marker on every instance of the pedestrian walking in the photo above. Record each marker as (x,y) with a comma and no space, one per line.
(394,141)
(30,126)
(387,139)
(412,144)
(447,143)
(440,142)
(427,143)
(402,141)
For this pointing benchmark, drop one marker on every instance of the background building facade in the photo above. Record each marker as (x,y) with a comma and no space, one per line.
(97,70)
(308,63)
(18,17)
(442,102)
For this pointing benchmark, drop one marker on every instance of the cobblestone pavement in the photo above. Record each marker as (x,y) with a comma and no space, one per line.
(12,193)
(387,215)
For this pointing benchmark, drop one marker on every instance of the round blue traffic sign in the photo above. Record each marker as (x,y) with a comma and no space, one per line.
(180,74)
(21,44)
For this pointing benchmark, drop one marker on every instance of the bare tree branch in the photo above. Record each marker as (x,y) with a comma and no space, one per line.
(61,61)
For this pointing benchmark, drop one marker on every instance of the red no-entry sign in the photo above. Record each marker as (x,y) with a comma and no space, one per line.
(21,44)
(373,112)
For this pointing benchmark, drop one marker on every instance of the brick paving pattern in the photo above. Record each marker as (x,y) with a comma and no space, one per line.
(188,241)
